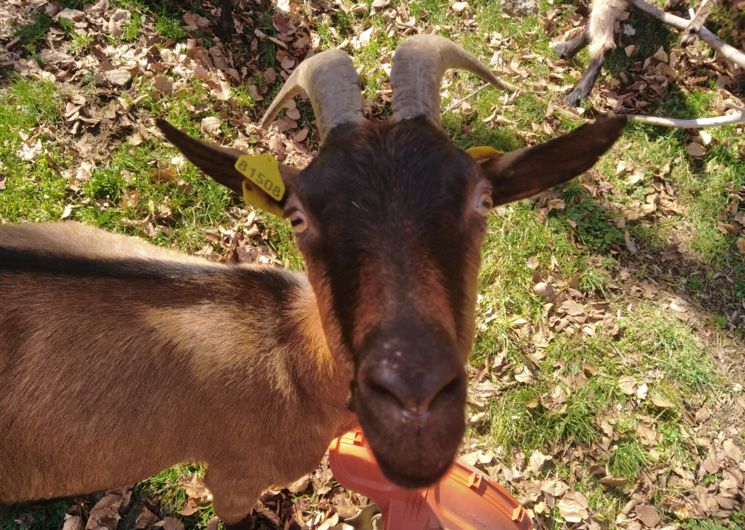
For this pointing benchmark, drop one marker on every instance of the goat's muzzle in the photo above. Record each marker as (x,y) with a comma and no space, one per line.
(410,400)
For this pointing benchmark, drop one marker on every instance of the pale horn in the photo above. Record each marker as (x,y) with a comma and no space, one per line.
(332,85)
(418,66)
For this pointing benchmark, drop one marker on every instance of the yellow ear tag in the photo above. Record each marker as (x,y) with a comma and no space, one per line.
(253,198)
(483,151)
(263,171)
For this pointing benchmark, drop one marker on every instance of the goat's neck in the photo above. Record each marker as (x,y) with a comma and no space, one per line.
(316,368)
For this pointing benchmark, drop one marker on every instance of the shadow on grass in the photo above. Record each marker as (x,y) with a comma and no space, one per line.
(43,515)
(715,286)
(649,35)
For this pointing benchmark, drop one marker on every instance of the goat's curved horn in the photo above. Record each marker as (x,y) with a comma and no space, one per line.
(418,66)
(332,85)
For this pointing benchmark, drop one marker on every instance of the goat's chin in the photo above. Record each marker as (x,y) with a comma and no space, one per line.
(414,456)
(394,474)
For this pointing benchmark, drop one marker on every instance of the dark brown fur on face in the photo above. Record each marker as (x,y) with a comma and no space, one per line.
(397,272)
(119,359)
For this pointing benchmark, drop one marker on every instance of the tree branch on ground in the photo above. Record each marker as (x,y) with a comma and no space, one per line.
(696,123)
(725,50)
(696,23)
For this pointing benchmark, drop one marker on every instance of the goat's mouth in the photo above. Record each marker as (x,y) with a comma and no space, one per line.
(394,474)
(413,459)
(412,452)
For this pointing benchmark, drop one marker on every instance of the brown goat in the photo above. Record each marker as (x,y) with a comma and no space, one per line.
(105,335)
(119,359)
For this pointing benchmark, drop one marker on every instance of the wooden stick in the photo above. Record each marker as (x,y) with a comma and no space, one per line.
(697,123)
(728,52)
(696,23)
(455,104)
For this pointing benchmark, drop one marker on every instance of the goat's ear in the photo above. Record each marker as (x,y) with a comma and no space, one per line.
(530,170)
(218,162)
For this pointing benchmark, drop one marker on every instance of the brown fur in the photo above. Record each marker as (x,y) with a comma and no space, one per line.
(106,380)
(375,298)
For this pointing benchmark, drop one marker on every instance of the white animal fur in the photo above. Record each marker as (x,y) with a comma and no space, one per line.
(602,24)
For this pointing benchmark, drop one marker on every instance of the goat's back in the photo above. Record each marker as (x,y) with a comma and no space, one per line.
(119,358)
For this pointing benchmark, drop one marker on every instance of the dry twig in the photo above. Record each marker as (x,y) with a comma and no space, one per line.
(696,23)
(457,103)
(697,123)
(725,50)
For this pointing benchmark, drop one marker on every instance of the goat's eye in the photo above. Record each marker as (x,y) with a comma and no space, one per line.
(484,203)
(298,222)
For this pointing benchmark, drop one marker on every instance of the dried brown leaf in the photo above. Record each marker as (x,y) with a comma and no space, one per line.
(211,126)
(536,461)
(573,308)
(524,375)
(195,488)
(301,135)
(696,150)
(732,451)
(169,523)
(573,507)
(627,384)
(30,149)
(740,242)
(459,7)
(648,515)
(163,85)
(661,401)
(73,522)
(118,76)
(145,519)
(647,434)
(614,482)
(105,513)
(555,488)
(118,21)
(545,291)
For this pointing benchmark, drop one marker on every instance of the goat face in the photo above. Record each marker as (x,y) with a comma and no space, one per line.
(390,217)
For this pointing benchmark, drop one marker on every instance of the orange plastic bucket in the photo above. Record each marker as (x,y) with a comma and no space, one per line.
(464,499)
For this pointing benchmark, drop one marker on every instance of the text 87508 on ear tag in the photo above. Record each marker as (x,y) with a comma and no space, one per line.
(262,170)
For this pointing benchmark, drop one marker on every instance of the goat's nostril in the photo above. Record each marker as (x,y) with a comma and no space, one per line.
(414,394)
(449,388)
(382,385)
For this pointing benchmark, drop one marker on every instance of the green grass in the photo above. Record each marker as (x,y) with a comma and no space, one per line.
(167,486)
(132,28)
(44,517)
(671,347)
(33,33)
(519,421)
(710,524)
(33,191)
(627,459)
(169,28)
(194,201)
